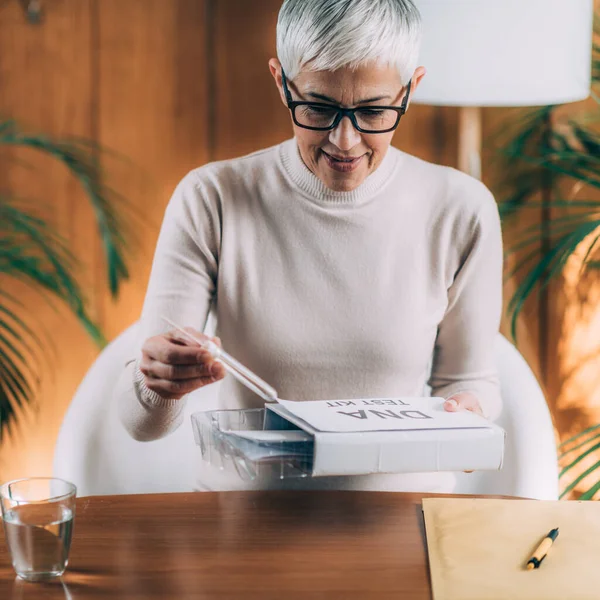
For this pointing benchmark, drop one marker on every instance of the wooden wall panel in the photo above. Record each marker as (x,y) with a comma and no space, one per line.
(45,84)
(153,109)
(131,76)
(248,112)
(429,132)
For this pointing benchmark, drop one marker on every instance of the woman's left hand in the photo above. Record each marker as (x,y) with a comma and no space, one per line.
(463,401)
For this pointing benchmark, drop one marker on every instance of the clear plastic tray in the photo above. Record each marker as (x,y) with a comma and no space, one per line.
(215,434)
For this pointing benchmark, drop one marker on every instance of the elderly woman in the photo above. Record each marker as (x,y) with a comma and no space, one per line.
(338,266)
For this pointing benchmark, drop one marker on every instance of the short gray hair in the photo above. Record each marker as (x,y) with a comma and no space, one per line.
(325,35)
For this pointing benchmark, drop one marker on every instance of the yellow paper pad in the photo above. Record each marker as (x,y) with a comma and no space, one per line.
(478,549)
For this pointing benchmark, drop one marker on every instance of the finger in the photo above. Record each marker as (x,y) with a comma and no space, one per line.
(451,405)
(158,370)
(217,341)
(463,401)
(178,337)
(217,369)
(173,389)
(160,349)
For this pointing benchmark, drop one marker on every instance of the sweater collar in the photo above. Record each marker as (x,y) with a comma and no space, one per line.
(315,189)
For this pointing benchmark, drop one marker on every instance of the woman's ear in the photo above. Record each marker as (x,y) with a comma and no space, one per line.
(418,75)
(275,68)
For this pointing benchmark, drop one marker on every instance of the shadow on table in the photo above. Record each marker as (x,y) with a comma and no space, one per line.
(79,582)
(25,590)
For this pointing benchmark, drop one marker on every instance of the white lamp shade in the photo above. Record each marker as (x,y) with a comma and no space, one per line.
(505,52)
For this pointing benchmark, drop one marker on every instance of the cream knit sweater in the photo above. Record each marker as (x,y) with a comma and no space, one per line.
(374,292)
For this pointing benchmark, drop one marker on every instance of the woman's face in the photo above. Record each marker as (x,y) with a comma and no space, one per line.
(343,157)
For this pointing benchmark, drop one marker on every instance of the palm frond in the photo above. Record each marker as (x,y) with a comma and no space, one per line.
(80,158)
(547,267)
(576,453)
(562,447)
(574,462)
(571,486)
(33,252)
(557,225)
(543,155)
(587,259)
(18,360)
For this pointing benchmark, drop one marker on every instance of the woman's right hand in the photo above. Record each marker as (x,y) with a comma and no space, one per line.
(173,366)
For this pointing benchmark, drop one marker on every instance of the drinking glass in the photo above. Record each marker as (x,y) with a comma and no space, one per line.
(38,518)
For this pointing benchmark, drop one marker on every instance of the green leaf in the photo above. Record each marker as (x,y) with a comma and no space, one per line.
(533,278)
(590,251)
(13,372)
(546,268)
(557,223)
(11,345)
(578,436)
(580,204)
(578,459)
(82,161)
(18,321)
(49,265)
(13,391)
(522,263)
(589,495)
(20,354)
(34,252)
(580,478)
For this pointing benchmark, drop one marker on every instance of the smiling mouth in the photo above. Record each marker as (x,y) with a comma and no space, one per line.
(342,164)
(342,159)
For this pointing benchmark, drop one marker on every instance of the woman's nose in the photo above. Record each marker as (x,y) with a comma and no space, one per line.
(344,136)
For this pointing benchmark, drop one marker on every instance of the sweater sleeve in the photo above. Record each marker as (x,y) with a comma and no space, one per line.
(181,287)
(464,351)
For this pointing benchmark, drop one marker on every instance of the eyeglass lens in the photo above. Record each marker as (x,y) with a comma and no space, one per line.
(373,119)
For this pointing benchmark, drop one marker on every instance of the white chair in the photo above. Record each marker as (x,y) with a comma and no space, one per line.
(530,468)
(95,452)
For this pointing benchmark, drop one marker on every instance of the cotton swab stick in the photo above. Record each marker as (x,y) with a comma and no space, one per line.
(244,375)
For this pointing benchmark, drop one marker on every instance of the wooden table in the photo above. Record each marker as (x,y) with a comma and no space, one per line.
(238,545)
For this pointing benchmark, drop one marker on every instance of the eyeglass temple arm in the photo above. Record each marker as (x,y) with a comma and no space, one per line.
(286,90)
(404,104)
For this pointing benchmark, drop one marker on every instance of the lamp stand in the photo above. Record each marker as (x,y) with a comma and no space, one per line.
(469,140)
(469,161)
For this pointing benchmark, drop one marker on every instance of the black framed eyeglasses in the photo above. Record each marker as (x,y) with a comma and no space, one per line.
(320,116)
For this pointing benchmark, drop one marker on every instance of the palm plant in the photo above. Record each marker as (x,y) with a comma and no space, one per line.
(552,166)
(33,252)
(574,453)
(564,160)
